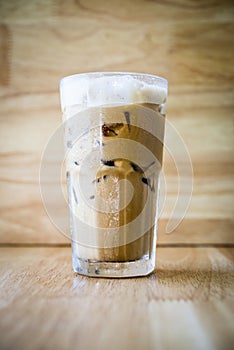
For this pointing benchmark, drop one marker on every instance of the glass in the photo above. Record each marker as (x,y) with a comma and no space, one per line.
(114,130)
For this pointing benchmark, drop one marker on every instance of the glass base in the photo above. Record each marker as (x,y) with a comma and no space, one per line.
(95,268)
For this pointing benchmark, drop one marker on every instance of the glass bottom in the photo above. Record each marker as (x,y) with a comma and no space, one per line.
(95,268)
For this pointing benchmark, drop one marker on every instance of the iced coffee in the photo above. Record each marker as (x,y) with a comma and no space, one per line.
(114,128)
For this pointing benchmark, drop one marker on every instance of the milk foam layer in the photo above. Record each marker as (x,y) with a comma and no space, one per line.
(98,89)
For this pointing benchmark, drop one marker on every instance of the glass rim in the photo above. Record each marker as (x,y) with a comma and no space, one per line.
(99,74)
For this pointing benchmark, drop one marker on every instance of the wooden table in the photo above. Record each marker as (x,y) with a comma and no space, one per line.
(188,302)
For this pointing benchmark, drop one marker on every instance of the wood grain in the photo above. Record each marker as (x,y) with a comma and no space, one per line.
(149,10)
(5,49)
(187,303)
(189,42)
(18,10)
(186,48)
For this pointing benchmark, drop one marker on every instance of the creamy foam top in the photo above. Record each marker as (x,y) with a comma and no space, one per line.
(98,89)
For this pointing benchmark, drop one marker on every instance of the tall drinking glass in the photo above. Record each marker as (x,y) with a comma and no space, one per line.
(114,130)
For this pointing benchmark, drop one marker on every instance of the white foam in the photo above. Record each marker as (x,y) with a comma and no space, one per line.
(97,89)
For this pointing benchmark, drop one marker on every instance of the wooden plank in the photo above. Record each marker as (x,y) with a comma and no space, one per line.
(122,10)
(141,11)
(187,303)
(30,224)
(68,42)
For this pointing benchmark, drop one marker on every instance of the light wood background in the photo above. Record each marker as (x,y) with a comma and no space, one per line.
(188,302)
(191,43)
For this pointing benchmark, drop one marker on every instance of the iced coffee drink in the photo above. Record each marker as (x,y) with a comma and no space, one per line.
(114,128)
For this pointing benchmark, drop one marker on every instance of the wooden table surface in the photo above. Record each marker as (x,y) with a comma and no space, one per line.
(188,302)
